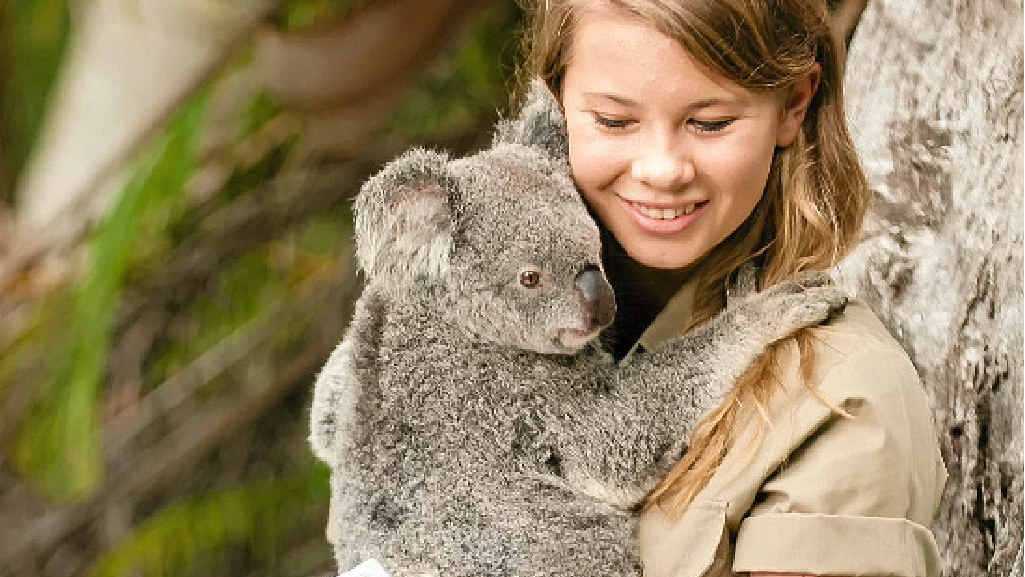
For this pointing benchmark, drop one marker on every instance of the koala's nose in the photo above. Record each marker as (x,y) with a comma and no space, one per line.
(597,296)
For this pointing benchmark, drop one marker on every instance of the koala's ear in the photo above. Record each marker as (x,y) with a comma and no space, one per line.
(404,220)
(540,123)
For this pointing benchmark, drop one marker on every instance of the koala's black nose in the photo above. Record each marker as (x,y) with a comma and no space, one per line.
(597,295)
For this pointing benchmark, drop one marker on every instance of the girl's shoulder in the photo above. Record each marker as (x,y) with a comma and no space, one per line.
(855,329)
(857,347)
(860,368)
(886,429)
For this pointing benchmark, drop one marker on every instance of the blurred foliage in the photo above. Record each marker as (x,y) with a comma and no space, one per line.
(470,83)
(300,14)
(34,38)
(261,109)
(59,446)
(197,531)
(201,527)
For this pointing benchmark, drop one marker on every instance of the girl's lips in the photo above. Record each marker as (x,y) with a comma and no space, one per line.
(658,226)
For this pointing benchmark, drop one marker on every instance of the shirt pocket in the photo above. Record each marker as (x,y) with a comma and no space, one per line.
(695,545)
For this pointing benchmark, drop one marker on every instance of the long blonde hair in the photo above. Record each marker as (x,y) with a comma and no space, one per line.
(811,213)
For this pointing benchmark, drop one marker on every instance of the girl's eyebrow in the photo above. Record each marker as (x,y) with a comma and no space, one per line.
(613,97)
(695,105)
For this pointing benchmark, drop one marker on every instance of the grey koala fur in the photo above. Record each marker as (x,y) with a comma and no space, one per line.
(471,428)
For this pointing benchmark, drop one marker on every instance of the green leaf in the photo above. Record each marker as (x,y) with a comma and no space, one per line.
(58,446)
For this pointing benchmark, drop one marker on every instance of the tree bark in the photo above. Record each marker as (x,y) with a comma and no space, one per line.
(935,106)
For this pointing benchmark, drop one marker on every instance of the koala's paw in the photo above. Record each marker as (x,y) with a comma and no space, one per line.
(783,309)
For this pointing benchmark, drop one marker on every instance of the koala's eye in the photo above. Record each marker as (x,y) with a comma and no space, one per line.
(530,278)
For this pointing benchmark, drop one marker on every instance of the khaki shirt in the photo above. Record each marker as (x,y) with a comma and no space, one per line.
(822,494)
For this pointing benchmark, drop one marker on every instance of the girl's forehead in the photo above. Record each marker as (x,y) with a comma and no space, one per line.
(613,54)
(616,30)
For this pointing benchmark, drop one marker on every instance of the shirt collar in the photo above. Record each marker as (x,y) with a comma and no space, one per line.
(670,322)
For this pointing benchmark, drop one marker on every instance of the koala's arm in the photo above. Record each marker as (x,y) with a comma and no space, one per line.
(330,393)
(617,444)
(338,384)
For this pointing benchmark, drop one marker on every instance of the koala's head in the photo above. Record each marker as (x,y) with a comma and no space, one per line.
(501,238)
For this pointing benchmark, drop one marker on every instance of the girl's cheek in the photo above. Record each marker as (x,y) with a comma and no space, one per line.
(595,158)
(739,162)
(592,165)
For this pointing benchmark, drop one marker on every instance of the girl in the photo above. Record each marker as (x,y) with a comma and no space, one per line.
(704,134)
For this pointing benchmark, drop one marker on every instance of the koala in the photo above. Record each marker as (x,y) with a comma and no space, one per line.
(473,424)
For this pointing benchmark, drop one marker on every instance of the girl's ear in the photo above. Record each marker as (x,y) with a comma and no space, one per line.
(540,123)
(404,221)
(795,107)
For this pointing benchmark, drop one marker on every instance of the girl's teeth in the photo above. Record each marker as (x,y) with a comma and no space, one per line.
(664,213)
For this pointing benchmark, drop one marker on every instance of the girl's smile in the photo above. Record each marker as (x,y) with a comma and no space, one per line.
(664,218)
(670,158)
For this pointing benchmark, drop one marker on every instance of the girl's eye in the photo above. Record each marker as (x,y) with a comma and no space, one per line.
(711,125)
(530,278)
(612,123)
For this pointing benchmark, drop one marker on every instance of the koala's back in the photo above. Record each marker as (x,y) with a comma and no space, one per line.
(447,475)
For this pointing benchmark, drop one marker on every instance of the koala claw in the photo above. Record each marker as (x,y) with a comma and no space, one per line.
(795,306)
(815,305)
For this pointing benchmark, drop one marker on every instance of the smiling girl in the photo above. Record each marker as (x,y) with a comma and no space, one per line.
(704,134)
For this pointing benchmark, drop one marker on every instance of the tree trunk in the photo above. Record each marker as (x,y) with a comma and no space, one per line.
(935,105)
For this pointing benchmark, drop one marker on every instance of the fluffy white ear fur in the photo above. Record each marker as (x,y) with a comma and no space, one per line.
(404,220)
(540,123)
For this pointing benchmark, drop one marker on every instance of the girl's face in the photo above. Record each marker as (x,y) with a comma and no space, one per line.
(671,158)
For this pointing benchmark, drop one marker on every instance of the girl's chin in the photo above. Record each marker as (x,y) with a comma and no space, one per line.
(668,258)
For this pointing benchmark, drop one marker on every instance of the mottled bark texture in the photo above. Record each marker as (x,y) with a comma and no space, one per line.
(935,105)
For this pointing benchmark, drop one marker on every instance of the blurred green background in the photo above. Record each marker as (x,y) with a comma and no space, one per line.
(163,316)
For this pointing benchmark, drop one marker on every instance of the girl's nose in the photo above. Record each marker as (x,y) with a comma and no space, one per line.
(663,169)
